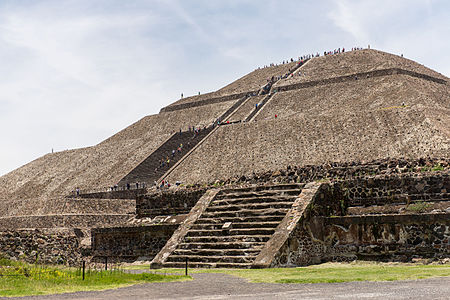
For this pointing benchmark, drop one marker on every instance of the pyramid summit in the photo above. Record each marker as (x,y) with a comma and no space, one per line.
(363,107)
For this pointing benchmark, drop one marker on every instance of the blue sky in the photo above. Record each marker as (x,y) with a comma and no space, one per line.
(75,72)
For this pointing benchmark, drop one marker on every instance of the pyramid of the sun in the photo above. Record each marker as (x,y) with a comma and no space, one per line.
(359,105)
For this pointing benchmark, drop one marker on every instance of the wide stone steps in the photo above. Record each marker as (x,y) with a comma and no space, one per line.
(258,194)
(254,200)
(216,252)
(256,219)
(267,188)
(231,232)
(254,213)
(150,170)
(205,265)
(247,212)
(213,259)
(228,238)
(212,226)
(248,206)
(222,245)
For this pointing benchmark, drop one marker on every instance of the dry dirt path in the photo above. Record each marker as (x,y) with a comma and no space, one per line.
(221,286)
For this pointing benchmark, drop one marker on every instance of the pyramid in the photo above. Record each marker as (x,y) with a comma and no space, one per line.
(333,108)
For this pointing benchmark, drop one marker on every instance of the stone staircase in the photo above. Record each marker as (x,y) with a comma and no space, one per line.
(149,170)
(270,92)
(233,228)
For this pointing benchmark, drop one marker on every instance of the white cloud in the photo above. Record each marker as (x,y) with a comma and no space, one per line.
(75,72)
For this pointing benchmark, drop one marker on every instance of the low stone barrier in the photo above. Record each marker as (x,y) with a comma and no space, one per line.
(206,101)
(387,237)
(168,202)
(346,171)
(122,194)
(40,246)
(325,234)
(402,188)
(358,76)
(62,221)
(130,243)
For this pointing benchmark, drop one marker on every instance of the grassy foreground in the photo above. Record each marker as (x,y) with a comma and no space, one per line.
(21,279)
(331,272)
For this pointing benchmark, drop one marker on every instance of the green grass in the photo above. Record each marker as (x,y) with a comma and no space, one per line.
(21,279)
(419,207)
(329,272)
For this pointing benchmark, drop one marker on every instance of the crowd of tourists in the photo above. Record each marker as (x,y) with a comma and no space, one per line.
(308,56)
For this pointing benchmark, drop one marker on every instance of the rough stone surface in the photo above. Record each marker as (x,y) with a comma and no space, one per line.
(168,202)
(131,243)
(42,246)
(284,229)
(363,121)
(356,62)
(103,165)
(326,234)
(184,227)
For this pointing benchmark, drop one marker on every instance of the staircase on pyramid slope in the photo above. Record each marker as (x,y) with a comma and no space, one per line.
(252,216)
(150,169)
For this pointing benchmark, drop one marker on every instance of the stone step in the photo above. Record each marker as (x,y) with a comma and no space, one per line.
(223,245)
(145,171)
(247,212)
(227,238)
(252,194)
(254,200)
(216,226)
(206,265)
(213,259)
(217,252)
(239,231)
(221,220)
(250,206)
(279,187)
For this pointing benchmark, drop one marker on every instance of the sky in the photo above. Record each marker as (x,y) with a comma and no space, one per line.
(74,72)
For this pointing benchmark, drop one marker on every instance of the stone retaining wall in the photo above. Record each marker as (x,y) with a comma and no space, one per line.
(46,247)
(325,234)
(63,221)
(358,76)
(125,194)
(206,101)
(390,189)
(168,202)
(346,171)
(379,238)
(388,237)
(130,243)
